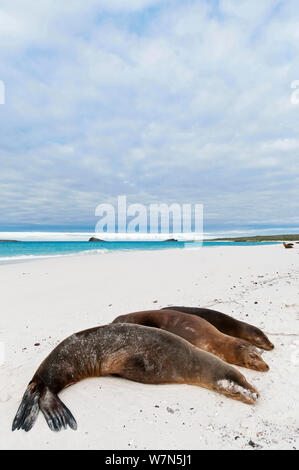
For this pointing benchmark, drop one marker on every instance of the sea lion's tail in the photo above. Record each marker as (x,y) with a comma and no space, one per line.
(56,414)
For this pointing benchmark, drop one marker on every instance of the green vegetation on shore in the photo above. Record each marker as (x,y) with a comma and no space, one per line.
(260,238)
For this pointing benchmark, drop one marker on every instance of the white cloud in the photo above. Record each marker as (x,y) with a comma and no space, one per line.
(250,11)
(282,145)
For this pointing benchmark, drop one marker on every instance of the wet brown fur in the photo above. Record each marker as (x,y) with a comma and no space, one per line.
(135,352)
(200,333)
(229,325)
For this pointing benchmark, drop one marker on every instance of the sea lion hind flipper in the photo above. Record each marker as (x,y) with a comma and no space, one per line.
(56,414)
(28,410)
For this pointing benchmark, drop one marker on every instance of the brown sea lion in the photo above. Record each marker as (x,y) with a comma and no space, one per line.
(135,352)
(202,334)
(229,326)
(288,245)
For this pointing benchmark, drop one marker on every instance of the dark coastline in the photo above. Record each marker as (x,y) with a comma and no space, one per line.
(259,238)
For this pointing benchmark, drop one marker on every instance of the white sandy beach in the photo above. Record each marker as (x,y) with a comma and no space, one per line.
(44,301)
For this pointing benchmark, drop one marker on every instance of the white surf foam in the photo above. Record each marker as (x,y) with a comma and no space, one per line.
(59,255)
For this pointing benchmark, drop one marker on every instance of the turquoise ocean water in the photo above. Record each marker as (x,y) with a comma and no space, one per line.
(26,250)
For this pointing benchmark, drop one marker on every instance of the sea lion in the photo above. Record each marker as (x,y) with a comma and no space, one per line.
(229,326)
(135,352)
(288,245)
(202,334)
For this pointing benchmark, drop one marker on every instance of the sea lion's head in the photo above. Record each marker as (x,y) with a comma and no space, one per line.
(259,339)
(248,356)
(234,385)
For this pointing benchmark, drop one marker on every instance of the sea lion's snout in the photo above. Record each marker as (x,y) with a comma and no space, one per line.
(263,343)
(235,386)
(249,356)
(254,361)
(259,339)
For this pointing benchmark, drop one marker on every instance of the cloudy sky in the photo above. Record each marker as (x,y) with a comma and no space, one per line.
(161,100)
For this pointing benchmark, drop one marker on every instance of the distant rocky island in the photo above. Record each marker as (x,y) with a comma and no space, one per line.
(259,238)
(14,241)
(94,239)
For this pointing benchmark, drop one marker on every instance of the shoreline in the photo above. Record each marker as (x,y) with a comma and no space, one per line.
(106,249)
(57,297)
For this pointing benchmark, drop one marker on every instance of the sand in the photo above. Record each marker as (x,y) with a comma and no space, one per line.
(44,301)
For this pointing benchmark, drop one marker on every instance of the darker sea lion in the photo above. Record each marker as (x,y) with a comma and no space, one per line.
(288,245)
(135,352)
(229,326)
(202,334)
